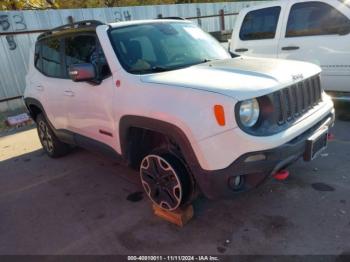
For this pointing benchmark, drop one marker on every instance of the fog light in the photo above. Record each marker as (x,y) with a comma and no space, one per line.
(236,183)
(254,158)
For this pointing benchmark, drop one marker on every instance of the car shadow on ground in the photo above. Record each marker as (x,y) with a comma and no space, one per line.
(88,204)
(342,110)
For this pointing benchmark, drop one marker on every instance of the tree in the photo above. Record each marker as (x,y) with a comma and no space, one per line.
(32,4)
(55,4)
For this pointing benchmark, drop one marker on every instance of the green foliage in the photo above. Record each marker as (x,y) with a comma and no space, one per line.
(23,4)
(55,4)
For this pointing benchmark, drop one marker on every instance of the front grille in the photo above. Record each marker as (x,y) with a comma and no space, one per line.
(282,108)
(296,100)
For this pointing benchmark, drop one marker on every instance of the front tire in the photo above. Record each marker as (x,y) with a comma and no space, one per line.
(51,144)
(165,180)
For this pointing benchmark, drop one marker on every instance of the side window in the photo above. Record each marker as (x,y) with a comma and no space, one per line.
(37,57)
(315,18)
(85,49)
(78,49)
(51,59)
(260,24)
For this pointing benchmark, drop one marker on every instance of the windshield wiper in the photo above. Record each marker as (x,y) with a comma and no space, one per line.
(154,69)
(206,60)
(159,69)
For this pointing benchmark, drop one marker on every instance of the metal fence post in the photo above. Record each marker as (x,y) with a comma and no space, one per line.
(222,19)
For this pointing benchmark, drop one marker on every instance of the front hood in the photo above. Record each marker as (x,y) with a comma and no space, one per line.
(240,78)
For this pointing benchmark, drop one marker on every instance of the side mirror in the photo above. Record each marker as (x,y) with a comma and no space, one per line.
(82,72)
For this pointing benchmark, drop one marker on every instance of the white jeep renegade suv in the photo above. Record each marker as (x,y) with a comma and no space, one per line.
(166,98)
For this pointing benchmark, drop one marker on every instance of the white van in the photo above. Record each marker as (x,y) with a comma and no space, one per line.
(313,31)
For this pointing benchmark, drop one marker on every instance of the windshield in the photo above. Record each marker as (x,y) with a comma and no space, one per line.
(164,46)
(345,2)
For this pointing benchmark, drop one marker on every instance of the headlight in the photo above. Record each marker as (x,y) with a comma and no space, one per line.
(249,112)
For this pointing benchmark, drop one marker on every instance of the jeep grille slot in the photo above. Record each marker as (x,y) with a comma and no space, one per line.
(296,100)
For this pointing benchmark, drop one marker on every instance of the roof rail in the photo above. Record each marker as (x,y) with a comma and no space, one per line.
(171,18)
(79,24)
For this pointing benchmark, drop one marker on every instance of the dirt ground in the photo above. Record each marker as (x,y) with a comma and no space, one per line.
(87,204)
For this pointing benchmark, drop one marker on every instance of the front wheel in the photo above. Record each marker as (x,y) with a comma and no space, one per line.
(165,180)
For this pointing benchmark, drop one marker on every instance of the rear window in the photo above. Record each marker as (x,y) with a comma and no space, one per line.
(51,59)
(53,56)
(260,24)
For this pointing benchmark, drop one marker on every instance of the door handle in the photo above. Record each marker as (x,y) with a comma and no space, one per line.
(68,93)
(241,50)
(288,48)
(39,88)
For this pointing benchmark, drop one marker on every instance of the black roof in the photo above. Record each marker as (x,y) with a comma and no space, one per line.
(85,24)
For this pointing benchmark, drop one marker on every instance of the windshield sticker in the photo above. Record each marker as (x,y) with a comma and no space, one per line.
(345,2)
(166,29)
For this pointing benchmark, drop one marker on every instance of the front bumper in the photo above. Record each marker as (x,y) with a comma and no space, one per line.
(216,184)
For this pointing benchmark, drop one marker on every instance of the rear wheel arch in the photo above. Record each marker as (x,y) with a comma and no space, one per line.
(34,111)
(34,107)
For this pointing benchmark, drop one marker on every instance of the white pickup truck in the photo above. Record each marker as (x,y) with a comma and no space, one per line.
(312,31)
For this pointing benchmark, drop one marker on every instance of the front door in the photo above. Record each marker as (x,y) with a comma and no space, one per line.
(259,32)
(317,32)
(90,110)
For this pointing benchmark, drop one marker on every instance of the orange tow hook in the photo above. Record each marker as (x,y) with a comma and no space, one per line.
(330,136)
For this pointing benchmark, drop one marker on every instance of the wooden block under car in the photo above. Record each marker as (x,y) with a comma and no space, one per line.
(178,217)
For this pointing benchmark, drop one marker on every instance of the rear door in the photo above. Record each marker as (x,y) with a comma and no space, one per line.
(259,32)
(318,32)
(35,76)
(50,82)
